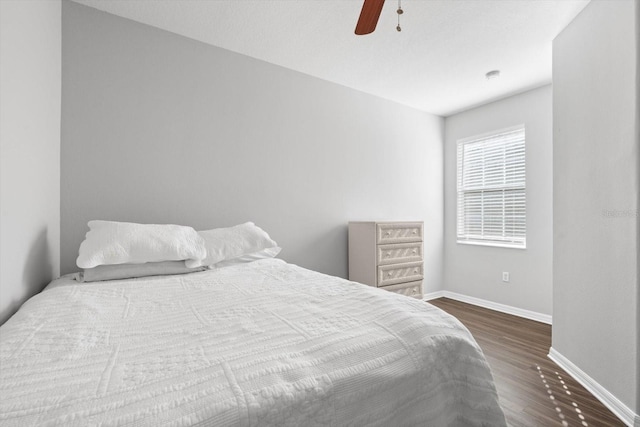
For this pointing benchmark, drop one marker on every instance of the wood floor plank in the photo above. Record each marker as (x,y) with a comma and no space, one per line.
(533,390)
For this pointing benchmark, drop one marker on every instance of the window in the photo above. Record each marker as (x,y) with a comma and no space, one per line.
(491,189)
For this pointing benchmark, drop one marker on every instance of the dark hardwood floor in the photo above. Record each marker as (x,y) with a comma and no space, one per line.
(533,390)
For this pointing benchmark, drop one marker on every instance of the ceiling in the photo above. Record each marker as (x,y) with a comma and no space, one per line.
(437,63)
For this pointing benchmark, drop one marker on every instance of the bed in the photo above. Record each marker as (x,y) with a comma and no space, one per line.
(264,343)
(169,326)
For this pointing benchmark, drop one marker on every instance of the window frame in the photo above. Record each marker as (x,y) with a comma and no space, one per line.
(461,238)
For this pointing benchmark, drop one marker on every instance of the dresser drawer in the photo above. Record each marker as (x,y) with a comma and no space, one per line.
(411,289)
(404,232)
(399,253)
(399,273)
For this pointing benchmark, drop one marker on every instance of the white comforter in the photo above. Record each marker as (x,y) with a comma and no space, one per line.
(260,344)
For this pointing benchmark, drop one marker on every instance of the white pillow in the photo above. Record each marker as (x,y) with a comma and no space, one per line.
(128,271)
(267,253)
(233,242)
(110,242)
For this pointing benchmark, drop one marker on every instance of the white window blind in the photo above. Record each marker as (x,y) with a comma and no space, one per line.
(492,190)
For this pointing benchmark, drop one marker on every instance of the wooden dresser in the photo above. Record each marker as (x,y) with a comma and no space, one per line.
(387,255)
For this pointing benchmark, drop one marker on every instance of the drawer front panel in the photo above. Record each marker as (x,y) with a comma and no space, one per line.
(399,273)
(404,232)
(411,289)
(399,253)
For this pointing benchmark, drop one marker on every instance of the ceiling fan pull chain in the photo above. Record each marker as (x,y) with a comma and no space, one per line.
(399,12)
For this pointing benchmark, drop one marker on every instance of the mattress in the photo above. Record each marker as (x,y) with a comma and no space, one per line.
(260,344)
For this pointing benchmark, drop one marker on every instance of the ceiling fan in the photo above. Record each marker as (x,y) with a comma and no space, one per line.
(370,14)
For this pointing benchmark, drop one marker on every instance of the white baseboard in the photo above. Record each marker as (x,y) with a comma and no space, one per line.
(433,295)
(520,312)
(621,410)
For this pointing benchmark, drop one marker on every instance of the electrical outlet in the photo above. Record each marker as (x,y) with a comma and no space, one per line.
(505,276)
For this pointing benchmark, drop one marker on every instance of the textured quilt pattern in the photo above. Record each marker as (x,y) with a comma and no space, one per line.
(260,344)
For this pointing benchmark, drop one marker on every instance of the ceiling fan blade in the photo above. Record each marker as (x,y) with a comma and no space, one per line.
(369,16)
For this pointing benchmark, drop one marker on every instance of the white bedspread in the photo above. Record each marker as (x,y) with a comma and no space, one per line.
(260,344)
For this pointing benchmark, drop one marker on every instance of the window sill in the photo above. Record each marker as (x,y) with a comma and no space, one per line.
(493,244)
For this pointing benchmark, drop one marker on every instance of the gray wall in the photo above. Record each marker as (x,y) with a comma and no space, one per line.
(596,171)
(157,127)
(29,149)
(637,123)
(476,271)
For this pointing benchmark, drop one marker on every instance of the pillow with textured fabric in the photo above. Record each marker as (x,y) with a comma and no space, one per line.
(130,271)
(264,254)
(233,242)
(111,242)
